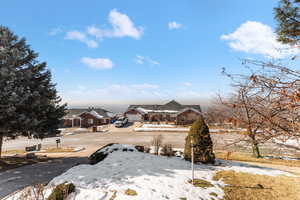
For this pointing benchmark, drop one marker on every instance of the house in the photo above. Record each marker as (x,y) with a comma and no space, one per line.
(169,112)
(77,117)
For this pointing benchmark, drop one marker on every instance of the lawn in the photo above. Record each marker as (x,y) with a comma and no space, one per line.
(258,187)
(11,162)
(247,157)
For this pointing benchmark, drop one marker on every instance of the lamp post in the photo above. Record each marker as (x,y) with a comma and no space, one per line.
(192,156)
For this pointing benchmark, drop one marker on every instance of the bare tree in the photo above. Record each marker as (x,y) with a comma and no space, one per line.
(244,116)
(268,100)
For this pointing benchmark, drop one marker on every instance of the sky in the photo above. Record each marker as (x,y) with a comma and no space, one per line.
(133,51)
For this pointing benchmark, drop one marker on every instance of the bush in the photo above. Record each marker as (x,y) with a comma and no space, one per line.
(157,142)
(167,150)
(103,152)
(62,191)
(203,146)
(140,148)
(99,156)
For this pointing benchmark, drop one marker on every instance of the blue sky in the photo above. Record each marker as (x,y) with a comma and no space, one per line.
(131,51)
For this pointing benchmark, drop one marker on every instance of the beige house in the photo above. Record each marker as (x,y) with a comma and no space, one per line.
(169,112)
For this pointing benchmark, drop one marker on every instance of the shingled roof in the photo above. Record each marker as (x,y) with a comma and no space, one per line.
(73,112)
(172,105)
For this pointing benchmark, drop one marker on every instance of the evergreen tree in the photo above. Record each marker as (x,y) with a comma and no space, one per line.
(203,146)
(29,103)
(288,18)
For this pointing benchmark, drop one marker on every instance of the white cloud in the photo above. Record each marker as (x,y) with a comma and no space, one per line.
(97,63)
(255,37)
(76,35)
(122,26)
(55,31)
(187,84)
(144,86)
(174,25)
(142,60)
(81,87)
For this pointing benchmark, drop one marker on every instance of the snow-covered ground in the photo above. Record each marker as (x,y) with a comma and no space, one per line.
(152,177)
(174,128)
(146,129)
(160,127)
(295,142)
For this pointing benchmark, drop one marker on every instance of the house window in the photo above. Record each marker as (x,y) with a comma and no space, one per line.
(90,121)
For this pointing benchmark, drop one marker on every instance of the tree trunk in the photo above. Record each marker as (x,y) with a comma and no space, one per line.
(1,141)
(255,150)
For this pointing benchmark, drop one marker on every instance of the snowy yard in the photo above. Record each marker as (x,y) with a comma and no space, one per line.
(150,176)
(160,128)
(174,128)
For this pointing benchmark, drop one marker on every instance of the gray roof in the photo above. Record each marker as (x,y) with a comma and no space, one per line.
(172,105)
(77,111)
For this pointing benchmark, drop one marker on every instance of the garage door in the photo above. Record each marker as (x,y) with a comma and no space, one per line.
(134,117)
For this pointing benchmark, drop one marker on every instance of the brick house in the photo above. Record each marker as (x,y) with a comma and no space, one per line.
(169,112)
(87,117)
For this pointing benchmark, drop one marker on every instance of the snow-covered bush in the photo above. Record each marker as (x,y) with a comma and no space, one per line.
(157,143)
(101,153)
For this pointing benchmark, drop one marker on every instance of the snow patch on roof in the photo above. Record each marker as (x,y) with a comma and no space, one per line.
(95,114)
(186,109)
(145,111)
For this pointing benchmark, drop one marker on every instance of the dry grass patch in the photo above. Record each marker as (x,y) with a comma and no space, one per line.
(58,150)
(12,162)
(114,195)
(259,187)
(13,152)
(130,192)
(248,158)
(201,183)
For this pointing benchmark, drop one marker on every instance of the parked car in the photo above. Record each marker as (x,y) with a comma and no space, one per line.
(121,122)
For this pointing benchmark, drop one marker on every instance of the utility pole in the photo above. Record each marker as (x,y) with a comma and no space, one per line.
(192,152)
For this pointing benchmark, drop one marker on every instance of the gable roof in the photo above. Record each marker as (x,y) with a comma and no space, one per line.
(170,106)
(75,112)
(188,108)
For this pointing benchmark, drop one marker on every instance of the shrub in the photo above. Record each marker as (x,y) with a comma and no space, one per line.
(140,148)
(167,150)
(62,191)
(99,156)
(103,152)
(203,146)
(157,142)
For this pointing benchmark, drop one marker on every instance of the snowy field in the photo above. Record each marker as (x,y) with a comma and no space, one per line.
(152,177)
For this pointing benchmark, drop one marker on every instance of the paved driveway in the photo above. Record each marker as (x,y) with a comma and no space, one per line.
(21,177)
